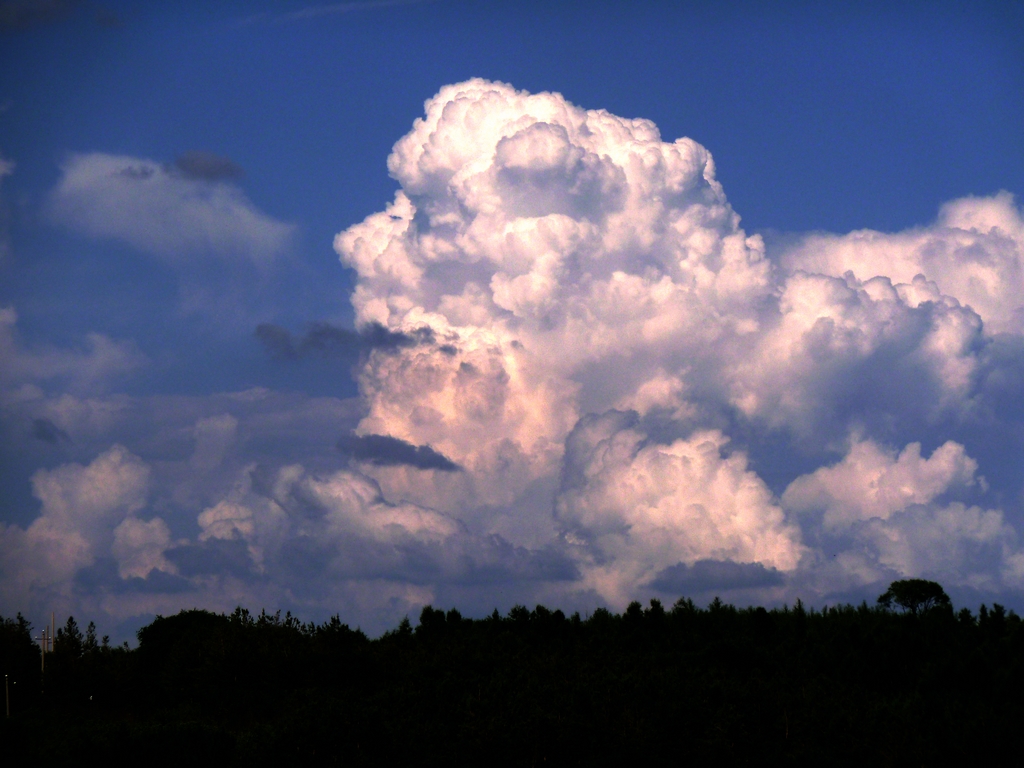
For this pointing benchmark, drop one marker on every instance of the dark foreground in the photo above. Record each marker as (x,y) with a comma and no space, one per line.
(846,685)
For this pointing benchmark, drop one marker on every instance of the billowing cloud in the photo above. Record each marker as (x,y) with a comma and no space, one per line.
(817,362)
(974,253)
(549,245)
(301,529)
(891,513)
(633,507)
(100,361)
(87,513)
(871,482)
(176,212)
(139,547)
(580,380)
(610,322)
(214,437)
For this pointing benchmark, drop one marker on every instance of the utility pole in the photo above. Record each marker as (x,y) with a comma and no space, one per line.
(7,696)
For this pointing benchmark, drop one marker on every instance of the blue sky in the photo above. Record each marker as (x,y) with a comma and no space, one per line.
(266,129)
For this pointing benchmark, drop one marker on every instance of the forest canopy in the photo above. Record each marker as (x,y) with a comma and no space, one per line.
(904,680)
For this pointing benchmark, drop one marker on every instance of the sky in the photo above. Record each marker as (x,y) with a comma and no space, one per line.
(357,307)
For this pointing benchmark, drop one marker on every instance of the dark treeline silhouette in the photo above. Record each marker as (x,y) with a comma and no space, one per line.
(907,681)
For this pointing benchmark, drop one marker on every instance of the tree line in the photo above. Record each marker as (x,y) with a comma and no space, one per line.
(904,680)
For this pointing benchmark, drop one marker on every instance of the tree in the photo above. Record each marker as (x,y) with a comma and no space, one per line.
(915,596)
(70,641)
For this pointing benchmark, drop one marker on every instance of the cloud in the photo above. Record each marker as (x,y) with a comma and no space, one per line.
(306,530)
(214,437)
(326,340)
(614,324)
(973,253)
(565,309)
(101,361)
(45,430)
(890,514)
(206,166)
(6,169)
(871,482)
(583,265)
(176,213)
(139,547)
(87,513)
(633,507)
(817,362)
(723,575)
(383,450)
(192,449)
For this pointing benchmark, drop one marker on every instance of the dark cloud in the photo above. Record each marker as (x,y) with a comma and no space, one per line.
(308,563)
(326,340)
(588,432)
(102,576)
(384,450)
(276,340)
(206,166)
(48,432)
(708,575)
(137,172)
(497,561)
(216,556)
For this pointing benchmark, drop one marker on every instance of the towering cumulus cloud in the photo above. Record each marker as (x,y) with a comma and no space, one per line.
(602,324)
(580,382)
(574,265)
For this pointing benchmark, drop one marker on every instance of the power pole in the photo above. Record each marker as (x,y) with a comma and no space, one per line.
(7,696)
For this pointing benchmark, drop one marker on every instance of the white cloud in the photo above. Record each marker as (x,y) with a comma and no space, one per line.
(974,252)
(890,510)
(635,507)
(871,482)
(834,339)
(570,262)
(83,507)
(214,437)
(313,532)
(93,367)
(546,246)
(606,355)
(139,547)
(162,211)
(955,543)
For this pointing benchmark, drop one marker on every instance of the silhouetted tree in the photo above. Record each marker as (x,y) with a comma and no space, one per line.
(70,641)
(793,685)
(914,596)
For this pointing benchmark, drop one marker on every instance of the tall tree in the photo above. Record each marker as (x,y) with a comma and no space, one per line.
(915,596)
